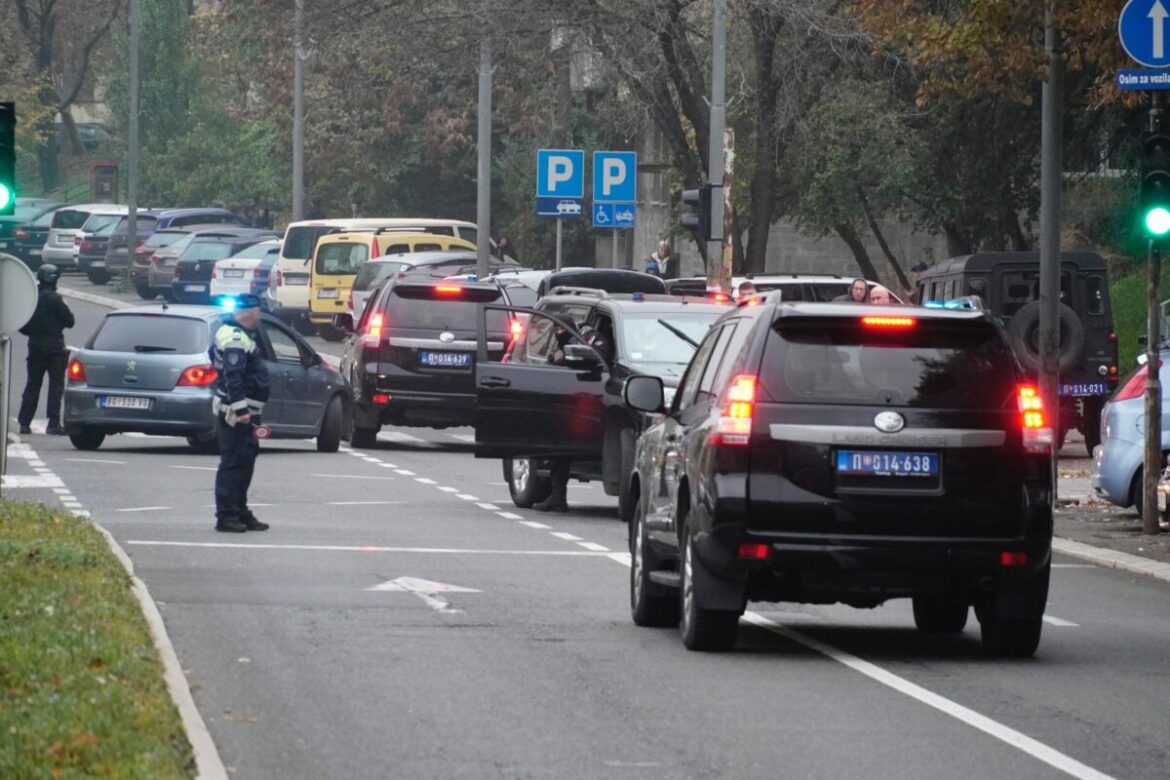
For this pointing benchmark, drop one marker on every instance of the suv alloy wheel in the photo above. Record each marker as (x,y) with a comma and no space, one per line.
(648,609)
(525,485)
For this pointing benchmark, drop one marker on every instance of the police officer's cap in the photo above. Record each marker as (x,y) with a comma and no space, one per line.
(247,301)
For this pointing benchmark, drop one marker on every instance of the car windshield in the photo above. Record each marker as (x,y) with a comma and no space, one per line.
(650,337)
(165,238)
(99,221)
(25,212)
(372,273)
(937,365)
(207,250)
(299,242)
(143,333)
(341,258)
(257,251)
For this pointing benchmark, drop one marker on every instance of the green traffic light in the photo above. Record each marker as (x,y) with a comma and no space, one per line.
(1158,221)
(6,195)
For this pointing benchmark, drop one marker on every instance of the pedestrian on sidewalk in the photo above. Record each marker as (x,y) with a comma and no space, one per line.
(46,352)
(241,390)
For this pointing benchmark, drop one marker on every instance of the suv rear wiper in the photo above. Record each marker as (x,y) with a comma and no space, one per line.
(151,348)
(679,333)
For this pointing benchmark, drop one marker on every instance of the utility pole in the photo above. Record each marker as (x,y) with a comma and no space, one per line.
(298,162)
(132,152)
(724,212)
(1050,195)
(483,200)
(715,274)
(1153,461)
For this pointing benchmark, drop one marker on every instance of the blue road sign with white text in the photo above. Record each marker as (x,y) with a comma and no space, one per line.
(560,173)
(1130,80)
(560,208)
(615,177)
(1142,28)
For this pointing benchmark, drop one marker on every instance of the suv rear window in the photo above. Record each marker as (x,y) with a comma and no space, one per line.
(372,273)
(69,219)
(207,250)
(299,242)
(943,365)
(427,313)
(152,333)
(341,258)
(99,221)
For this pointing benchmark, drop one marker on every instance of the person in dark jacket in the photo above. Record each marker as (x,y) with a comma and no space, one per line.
(46,352)
(263,219)
(241,390)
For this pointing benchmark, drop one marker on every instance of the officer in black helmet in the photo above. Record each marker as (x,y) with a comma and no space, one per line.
(46,352)
(241,389)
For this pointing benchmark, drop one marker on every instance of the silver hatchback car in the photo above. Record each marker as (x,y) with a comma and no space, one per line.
(1117,460)
(147,370)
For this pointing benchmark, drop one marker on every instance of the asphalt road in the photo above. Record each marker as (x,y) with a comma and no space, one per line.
(304,668)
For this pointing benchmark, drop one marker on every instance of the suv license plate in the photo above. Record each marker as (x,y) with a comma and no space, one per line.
(123,402)
(327,293)
(1083,388)
(879,463)
(445,359)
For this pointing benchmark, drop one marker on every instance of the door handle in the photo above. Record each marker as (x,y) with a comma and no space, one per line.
(494,381)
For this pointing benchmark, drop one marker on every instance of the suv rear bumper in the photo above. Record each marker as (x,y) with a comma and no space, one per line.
(427,410)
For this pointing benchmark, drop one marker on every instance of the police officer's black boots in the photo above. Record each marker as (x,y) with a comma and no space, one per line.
(557,499)
(229,524)
(251,523)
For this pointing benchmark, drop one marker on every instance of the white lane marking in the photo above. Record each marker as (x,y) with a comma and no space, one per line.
(404,472)
(80,513)
(1055,621)
(594,546)
(467,497)
(97,460)
(362,503)
(29,481)
(61,490)
(350,476)
(366,549)
(400,437)
(36,464)
(467,438)
(197,468)
(1074,566)
(534,524)
(1016,739)
(144,509)
(424,481)
(621,557)
(509,515)
(487,506)
(566,536)
(448,489)
(387,465)
(427,591)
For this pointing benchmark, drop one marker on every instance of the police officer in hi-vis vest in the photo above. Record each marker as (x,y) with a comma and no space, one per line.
(241,388)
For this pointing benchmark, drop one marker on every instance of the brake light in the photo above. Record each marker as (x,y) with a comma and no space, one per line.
(1013,558)
(373,333)
(448,289)
(1037,433)
(720,297)
(381,399)
(349,301)
(735,424)
(155,259)
(85,246)
(276,278)
(77,241)
(517,328)
(259,273)
(1134,386)
(1112,337)
(754,551)
(198,376)
(888,323)
(76,371)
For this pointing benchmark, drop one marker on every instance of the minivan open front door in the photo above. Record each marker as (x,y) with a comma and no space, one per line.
(544,399)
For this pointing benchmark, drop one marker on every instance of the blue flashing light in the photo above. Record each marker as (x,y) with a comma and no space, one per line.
(934,305)
(472,278)
(639,296)
(227,303)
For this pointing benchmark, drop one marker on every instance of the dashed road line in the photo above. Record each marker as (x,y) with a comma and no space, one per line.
(1055,621)
(566,536)
(509,515)
(487,506)
(97,460)
(467,497)
(536,525)
(366,548)
(144,509)
(594,546)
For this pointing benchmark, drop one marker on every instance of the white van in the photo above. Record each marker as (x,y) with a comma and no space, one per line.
(60,249)
(288,283)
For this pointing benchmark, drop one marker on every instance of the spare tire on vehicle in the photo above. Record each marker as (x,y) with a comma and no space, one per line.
(1024,331)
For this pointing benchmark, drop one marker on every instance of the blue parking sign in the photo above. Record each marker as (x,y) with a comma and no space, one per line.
(603,215)
(615,177)
(560,173)
(1142,28)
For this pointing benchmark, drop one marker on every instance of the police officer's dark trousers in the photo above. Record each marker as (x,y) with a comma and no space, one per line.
(238,448)
(40,362)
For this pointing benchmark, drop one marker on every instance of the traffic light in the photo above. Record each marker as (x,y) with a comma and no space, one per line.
(699,221)
(7,159)
(1155,196)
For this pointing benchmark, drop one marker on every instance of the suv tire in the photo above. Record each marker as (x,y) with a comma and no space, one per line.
(647,608)
(524,484)
(939,615)
(330,333)
(1011,638)
(88,439)
(1072,336)
(97,276)
(702,629)
(362,438)
(329,439)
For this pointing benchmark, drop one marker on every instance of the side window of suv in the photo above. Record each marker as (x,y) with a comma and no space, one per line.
(712,375)
(689,387)
(542,345)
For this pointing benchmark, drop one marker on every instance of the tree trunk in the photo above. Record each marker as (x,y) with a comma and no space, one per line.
(876,229)
(765,30)
(957,241)
(75,146)
(860,253)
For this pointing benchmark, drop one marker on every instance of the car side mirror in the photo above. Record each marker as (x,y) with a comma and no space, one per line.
(581,357)
(644,394)
(343,322)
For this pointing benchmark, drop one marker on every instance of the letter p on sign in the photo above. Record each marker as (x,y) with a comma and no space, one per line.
(613,175)
(560,169)
(560,173)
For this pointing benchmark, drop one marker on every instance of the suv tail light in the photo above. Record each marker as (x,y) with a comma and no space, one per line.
(76,371)
(198,376)
(1037,433)
(888,323)
(84,246)
(155,259)
(1135,386)
(77,241)
(372,335)
(516,328)
(735,424)
(349,301)
(276,278)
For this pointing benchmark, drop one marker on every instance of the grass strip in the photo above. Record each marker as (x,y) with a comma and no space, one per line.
(81,686)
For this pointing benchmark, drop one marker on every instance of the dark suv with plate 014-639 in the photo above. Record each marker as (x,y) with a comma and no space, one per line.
(823,453)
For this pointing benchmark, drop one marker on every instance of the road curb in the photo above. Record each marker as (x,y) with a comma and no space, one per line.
(1113,559)
(100,300)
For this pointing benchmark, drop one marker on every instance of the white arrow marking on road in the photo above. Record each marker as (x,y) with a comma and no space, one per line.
(1158,16)
(426,590)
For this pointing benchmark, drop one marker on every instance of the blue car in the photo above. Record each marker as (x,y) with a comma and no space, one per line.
(1117,460)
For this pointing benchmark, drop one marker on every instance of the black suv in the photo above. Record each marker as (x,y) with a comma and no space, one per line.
(1009,285)
(412,356)
(533,408)
(824,453)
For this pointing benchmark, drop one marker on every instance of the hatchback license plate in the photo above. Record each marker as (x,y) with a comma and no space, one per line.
(881,463)
(1083,388)
(123,402)
(445,359)
(327,293)
(231,273)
